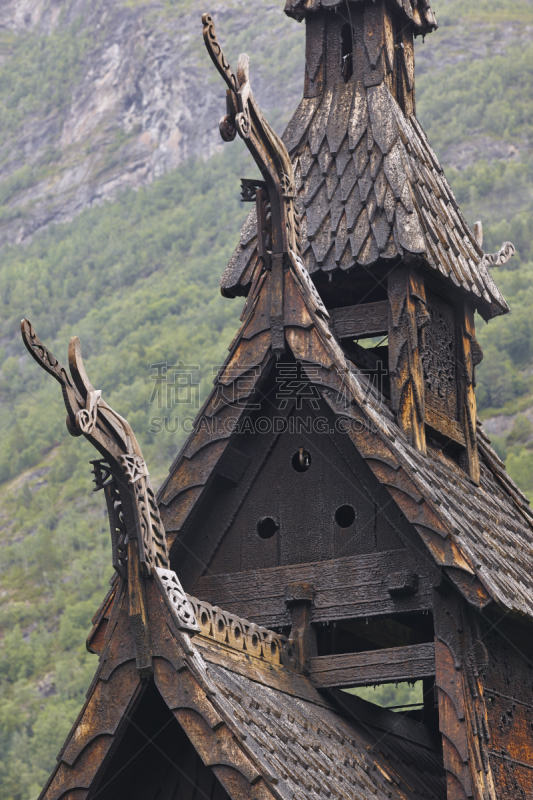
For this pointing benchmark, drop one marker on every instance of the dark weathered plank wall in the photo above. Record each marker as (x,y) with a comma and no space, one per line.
(508,688)
(344,588)
(303,506)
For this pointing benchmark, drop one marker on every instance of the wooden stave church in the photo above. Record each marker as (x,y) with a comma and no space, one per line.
(431,578)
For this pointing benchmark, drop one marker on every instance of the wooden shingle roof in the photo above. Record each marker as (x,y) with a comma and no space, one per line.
(370,187)
(260,727)
(482,533)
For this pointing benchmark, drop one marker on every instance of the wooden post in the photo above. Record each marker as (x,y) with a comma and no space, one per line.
(299,600)
(276,304)
(467,393)
(407,317)
(137,612)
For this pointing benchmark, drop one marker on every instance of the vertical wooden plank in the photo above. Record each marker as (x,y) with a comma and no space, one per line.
(333,49)
(389,39)
(406,72)
(315,26)
(374,38)
(463,719)
(137,612)
(407,317)
(276,307)
(468,396)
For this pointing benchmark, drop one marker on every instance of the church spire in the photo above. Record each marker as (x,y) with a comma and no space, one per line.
(370,41)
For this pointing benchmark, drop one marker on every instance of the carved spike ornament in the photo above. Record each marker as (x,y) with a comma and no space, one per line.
(279,236)
(122,472)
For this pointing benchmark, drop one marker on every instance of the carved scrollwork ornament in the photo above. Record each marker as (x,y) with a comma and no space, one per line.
(244,126)
(215,51)
(134,466)
(86,417)
(502,257)
(176,599)
(122,471)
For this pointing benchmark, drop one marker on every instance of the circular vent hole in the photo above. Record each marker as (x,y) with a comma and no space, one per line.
(267,527)
(345,516)
(301,460)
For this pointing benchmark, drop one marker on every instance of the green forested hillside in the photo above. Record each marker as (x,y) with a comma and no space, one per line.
(137,281)
(491,99)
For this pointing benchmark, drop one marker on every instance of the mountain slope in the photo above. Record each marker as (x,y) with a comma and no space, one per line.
(100,99)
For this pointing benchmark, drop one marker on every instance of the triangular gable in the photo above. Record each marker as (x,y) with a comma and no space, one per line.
(454,518)
(116,693)
(370,187)
(255,728)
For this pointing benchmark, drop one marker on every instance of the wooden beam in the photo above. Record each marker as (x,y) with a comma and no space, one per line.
(364,319)
(449,428)
(408,316)
(374,666)
(469,411)
(345,588)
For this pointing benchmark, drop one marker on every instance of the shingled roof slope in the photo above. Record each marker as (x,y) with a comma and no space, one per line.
(417,11)
(304,745)
(371,187)
(311,750)
(260,726)
(484,531)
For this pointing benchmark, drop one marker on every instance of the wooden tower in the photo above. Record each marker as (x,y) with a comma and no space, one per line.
(337,508)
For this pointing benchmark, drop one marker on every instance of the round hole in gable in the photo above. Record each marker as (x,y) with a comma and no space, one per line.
(267,527)
(301,460)
(345,516)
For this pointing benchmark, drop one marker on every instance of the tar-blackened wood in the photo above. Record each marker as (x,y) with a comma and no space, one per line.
(315,28)
(451,429)
(385,721)
(299,599)
(166,766)
(306,512)
(137,612)
(406,72)
(439,358)
(467,393)
(408,317)
(333,49)
(461,660)
(276,305)
(374,56)
(307,498)
(390,665)
(364,319)
(344,588)
(507,652)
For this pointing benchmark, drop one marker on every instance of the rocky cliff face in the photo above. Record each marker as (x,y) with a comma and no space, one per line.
(128,93)
(142,97)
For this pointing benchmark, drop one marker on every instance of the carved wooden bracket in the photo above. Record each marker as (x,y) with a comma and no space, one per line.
(407,319)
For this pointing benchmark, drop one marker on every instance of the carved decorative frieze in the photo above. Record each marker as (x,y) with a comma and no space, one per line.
(152,539)
(134,467)
(177,601)
(240,634)
(504,254)
(439,359)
